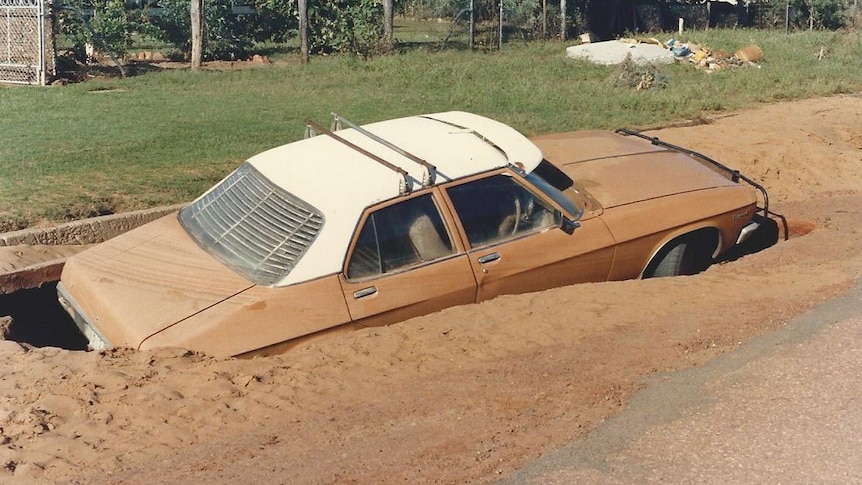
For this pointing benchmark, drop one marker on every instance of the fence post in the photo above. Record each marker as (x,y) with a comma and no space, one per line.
(197,33)
(563,20)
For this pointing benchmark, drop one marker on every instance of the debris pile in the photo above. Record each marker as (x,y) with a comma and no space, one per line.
(645,51)
(639,76)
(705,58)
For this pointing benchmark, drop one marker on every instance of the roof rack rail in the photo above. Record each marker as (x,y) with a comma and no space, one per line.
(517,166)
(430,170)
(403,186)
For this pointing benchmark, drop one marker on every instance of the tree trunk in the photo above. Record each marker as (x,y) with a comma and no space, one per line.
(544,19)
(197,9)
(563,23)
(811,17)
(387,25)
(303,30)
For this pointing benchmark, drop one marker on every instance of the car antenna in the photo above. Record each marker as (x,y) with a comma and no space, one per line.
(403,187)
(430,170)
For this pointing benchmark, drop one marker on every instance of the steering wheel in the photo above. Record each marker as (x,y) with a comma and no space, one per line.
(517,220)
(509,225)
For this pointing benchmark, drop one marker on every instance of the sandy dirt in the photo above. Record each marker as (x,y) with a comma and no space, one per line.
(464,395)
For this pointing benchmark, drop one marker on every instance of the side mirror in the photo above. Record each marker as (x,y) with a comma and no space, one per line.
(568,226)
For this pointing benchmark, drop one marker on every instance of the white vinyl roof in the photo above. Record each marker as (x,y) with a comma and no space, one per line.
(341,182)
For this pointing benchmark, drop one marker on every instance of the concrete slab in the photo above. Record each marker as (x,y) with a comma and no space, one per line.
(23,267)
(614,52)
(31,257)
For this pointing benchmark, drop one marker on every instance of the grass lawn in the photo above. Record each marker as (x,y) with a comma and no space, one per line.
(120,144)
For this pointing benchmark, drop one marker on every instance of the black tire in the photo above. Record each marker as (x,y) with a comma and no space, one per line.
(675,260)
(764,237)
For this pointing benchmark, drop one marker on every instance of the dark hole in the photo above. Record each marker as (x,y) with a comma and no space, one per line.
(39,320)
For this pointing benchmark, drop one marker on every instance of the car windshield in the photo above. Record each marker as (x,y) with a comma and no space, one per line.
(550,180)
(252,226)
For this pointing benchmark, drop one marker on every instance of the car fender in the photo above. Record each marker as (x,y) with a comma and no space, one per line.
(258,318)
(683,232)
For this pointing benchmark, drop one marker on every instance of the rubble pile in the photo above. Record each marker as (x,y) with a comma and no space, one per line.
(643,51)
(705,58)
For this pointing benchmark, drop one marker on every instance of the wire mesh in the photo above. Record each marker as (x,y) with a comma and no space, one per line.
(23,41)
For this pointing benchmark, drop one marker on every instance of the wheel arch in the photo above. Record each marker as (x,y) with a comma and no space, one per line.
(706,239)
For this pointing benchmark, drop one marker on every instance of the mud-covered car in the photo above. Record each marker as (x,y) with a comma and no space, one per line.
(375,224)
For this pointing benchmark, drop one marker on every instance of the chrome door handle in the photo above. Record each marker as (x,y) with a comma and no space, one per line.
(489,257)
(365,292)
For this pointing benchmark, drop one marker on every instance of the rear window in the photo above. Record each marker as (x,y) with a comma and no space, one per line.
(252,226)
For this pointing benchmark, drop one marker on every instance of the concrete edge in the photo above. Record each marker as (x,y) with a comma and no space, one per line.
(85,231)
(33,276)
(75,233)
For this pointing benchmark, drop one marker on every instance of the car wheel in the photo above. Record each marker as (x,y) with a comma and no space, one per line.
(676,259)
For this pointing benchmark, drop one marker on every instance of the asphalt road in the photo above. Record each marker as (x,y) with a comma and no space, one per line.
(785,408)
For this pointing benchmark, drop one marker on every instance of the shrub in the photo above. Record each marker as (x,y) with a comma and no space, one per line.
(277,20)
(824,14)
(109,28)
(350,26)
(226,35)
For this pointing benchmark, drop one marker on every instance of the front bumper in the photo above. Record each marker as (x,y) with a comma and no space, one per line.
(746,232)
(95,339)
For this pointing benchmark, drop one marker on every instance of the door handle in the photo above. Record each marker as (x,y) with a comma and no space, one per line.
(489,257)
(365,292)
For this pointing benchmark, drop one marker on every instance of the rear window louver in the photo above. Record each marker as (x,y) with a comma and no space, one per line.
(254,227)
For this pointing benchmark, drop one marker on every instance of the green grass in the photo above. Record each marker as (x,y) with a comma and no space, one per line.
(164,137)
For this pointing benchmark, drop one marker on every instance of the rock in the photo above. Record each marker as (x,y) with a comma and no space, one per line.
(5,327)
(260,59)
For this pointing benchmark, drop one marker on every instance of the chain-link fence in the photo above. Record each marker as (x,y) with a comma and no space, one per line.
(26,41)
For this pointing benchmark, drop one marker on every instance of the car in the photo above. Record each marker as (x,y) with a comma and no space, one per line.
(371,225)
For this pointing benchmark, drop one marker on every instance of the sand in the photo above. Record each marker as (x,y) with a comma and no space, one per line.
(464,395)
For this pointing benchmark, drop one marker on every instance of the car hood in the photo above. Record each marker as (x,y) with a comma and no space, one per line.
(619,170)
(146,280)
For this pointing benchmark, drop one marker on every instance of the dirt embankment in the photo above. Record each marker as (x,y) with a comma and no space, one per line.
(465,395)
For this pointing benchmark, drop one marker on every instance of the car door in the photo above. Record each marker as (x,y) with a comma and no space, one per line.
(514,240)
(405,262)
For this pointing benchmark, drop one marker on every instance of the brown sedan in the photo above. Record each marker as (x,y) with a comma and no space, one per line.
(375,224)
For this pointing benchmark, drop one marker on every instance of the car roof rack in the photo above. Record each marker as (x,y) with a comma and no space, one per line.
(430,173)
(403,186)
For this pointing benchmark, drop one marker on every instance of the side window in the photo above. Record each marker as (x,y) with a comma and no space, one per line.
(498,208)
(400,235)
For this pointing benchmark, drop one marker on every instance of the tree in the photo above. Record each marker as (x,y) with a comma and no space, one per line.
(388,41)
(563,21)
(303,29)
(197,19)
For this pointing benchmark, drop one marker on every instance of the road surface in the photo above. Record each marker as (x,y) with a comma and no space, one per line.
(785,408)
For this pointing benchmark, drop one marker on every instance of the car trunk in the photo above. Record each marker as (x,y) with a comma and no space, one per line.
(618,170)
(145,280)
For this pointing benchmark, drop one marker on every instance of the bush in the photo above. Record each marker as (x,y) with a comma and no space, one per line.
(109,29)
(350,26)
(277,20)
(825,14)
(226,35)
